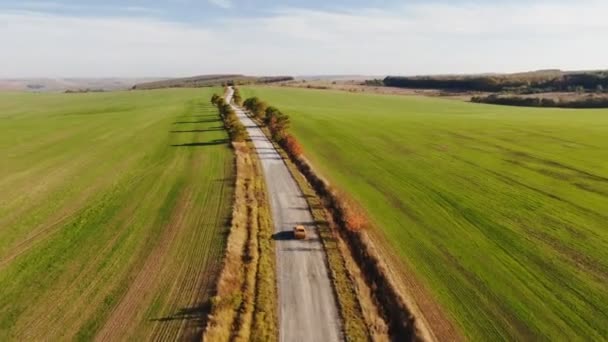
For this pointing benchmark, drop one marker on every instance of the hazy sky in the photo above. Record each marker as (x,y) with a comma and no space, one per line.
(137,38)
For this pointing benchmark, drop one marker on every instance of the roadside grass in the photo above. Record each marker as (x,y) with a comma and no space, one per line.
(499,212)
(245,305)
(114,209)
(265,313)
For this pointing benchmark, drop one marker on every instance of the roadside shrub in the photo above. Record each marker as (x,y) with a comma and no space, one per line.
(236,97)
(270,113)
(277,122)
(354,219)
(236,130)
(214,99)
(256,107)
(238,133)
(292,146)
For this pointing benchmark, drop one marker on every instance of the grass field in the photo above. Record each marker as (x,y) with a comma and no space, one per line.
(501,212)
(113,213)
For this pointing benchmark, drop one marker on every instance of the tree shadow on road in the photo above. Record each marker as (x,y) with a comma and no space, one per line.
(302,249)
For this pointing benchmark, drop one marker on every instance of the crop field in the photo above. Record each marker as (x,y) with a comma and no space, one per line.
(113,213)
(500,212)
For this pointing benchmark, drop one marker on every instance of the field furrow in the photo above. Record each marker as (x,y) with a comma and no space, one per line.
(113,214)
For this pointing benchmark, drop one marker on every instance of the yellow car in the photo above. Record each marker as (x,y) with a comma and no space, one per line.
(299,232)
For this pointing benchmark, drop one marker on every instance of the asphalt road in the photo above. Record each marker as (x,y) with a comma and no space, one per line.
(307,305)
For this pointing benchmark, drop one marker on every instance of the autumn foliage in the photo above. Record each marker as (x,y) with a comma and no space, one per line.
(291,145)
(354,218)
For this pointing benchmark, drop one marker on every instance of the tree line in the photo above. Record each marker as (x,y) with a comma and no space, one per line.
(526,83)
(236,130)
(278,124)
(588,102)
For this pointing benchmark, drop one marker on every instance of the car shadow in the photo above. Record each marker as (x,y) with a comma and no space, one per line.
(284,235)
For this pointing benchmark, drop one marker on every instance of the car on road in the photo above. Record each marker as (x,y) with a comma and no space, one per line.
(299,232)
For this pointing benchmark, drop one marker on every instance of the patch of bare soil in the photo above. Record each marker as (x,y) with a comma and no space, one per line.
(357,87)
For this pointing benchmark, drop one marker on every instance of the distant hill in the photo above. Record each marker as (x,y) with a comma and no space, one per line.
(337,78)
(209,81)
(69,84)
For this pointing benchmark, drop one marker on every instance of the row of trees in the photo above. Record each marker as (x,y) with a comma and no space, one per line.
(256,107)
(238,132)
(588,102)
(278,124)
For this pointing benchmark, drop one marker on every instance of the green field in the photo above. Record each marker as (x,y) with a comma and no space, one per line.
(113,213)
(502,212)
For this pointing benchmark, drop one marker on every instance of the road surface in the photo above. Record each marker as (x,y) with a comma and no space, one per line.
(307,305)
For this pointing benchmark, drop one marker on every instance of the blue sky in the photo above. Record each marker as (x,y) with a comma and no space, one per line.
(191,11)
(137,38)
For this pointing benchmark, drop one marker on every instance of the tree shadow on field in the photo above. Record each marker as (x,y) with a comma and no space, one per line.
(206,143)
(197,313)
(198,116)
(212,129)
(193,318)
(195,122)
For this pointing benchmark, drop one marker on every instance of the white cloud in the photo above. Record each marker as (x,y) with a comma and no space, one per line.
(423,38)
(222,3)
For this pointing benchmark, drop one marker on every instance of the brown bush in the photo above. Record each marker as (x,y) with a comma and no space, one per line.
(292,146)
(354,218)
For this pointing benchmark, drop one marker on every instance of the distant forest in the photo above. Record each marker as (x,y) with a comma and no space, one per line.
(522,83)
(589,101)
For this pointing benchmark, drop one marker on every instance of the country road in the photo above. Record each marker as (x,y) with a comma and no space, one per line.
(307,305)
